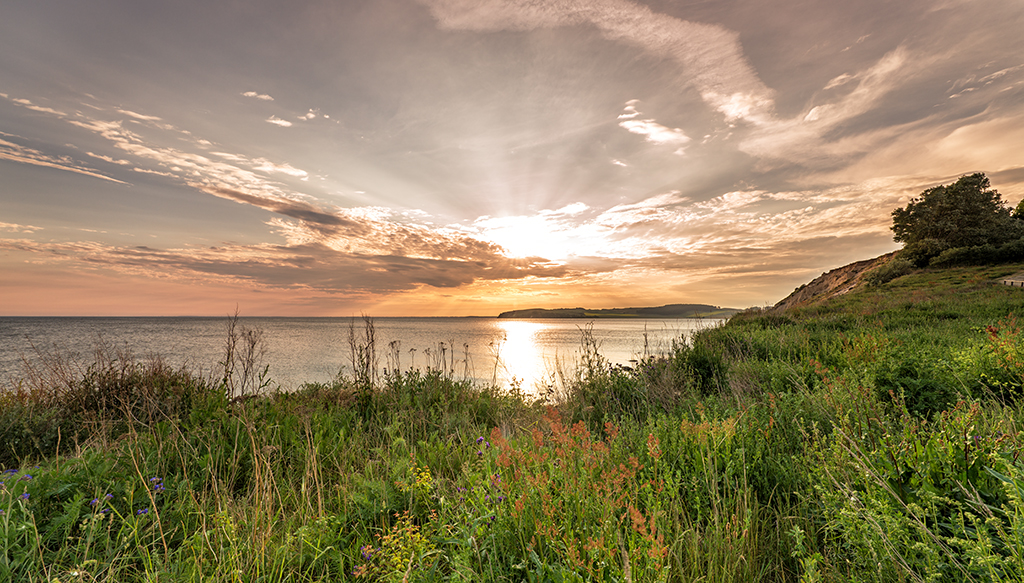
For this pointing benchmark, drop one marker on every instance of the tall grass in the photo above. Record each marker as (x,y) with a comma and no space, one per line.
(877,439)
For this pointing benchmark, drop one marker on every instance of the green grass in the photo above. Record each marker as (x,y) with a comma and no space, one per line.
(877,437)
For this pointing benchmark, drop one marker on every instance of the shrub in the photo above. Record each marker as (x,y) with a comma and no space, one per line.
(888,271)
(980,255)
(921,252)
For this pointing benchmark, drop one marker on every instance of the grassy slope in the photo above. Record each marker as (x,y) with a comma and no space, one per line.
(874,437)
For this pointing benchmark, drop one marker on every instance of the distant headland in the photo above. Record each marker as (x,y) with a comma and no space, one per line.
(669,311)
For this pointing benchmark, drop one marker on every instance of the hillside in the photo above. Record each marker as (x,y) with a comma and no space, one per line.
(831,284)
(668,311)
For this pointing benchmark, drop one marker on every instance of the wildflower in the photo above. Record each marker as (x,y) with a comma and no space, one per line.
(104,511)
(479,440)
(24,496)
(94,502)
(159,488)
(501,498)
(13,471)
(142,511)
(367,551)
(26,477)
(479,452)
(109,496)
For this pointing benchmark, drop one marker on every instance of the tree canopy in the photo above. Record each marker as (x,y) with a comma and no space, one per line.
(964,214)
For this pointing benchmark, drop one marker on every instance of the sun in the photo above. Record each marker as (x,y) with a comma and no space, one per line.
(522,237)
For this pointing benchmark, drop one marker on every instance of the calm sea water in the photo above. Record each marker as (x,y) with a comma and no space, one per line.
(301,350)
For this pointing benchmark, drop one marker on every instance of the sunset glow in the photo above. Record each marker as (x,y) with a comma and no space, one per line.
(466,157)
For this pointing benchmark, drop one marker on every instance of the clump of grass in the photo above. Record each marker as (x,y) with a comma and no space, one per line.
(62,403)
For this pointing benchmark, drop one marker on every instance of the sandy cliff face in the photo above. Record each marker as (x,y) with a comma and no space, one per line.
(833,283)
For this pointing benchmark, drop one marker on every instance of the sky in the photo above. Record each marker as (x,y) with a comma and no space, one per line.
(467,157)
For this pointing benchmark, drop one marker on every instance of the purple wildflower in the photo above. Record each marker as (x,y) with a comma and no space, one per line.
(14,471)
(109,496)
(24,496)
(142,511)
(94,502)
(479,440)
(26,477)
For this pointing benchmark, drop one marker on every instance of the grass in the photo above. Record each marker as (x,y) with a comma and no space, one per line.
(874,438)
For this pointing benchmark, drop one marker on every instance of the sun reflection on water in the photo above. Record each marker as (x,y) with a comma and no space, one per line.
(522,357)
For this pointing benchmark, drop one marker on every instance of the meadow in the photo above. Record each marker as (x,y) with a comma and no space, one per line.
(873,437)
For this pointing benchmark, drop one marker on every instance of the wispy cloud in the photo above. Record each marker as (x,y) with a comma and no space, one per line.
(19,153)
(264,165)
(710,55)
(29,105)
(109,159)
(138,116)
(974,82)
(805,138)
(653,131)
(19,228)
(260,96)
(279,122)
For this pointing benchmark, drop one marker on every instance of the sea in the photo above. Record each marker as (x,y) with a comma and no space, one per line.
(529,354)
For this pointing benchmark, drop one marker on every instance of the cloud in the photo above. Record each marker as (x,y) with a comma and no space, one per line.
(19,228)
(18,153)
(29,105)
(710,55)
(139,116)
(873,83)
(264,165)
(972,82)
(278,121)
(156,172)
(199,170)
(109,159)
(310,265)
(838,81)
(327,248)
(652,131)
(261,96)
(806,138)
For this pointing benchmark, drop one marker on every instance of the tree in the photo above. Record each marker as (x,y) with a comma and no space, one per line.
(964,214)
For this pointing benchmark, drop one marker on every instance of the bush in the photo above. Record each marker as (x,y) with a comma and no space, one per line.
(888,271)
(980,255)
(921,252)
